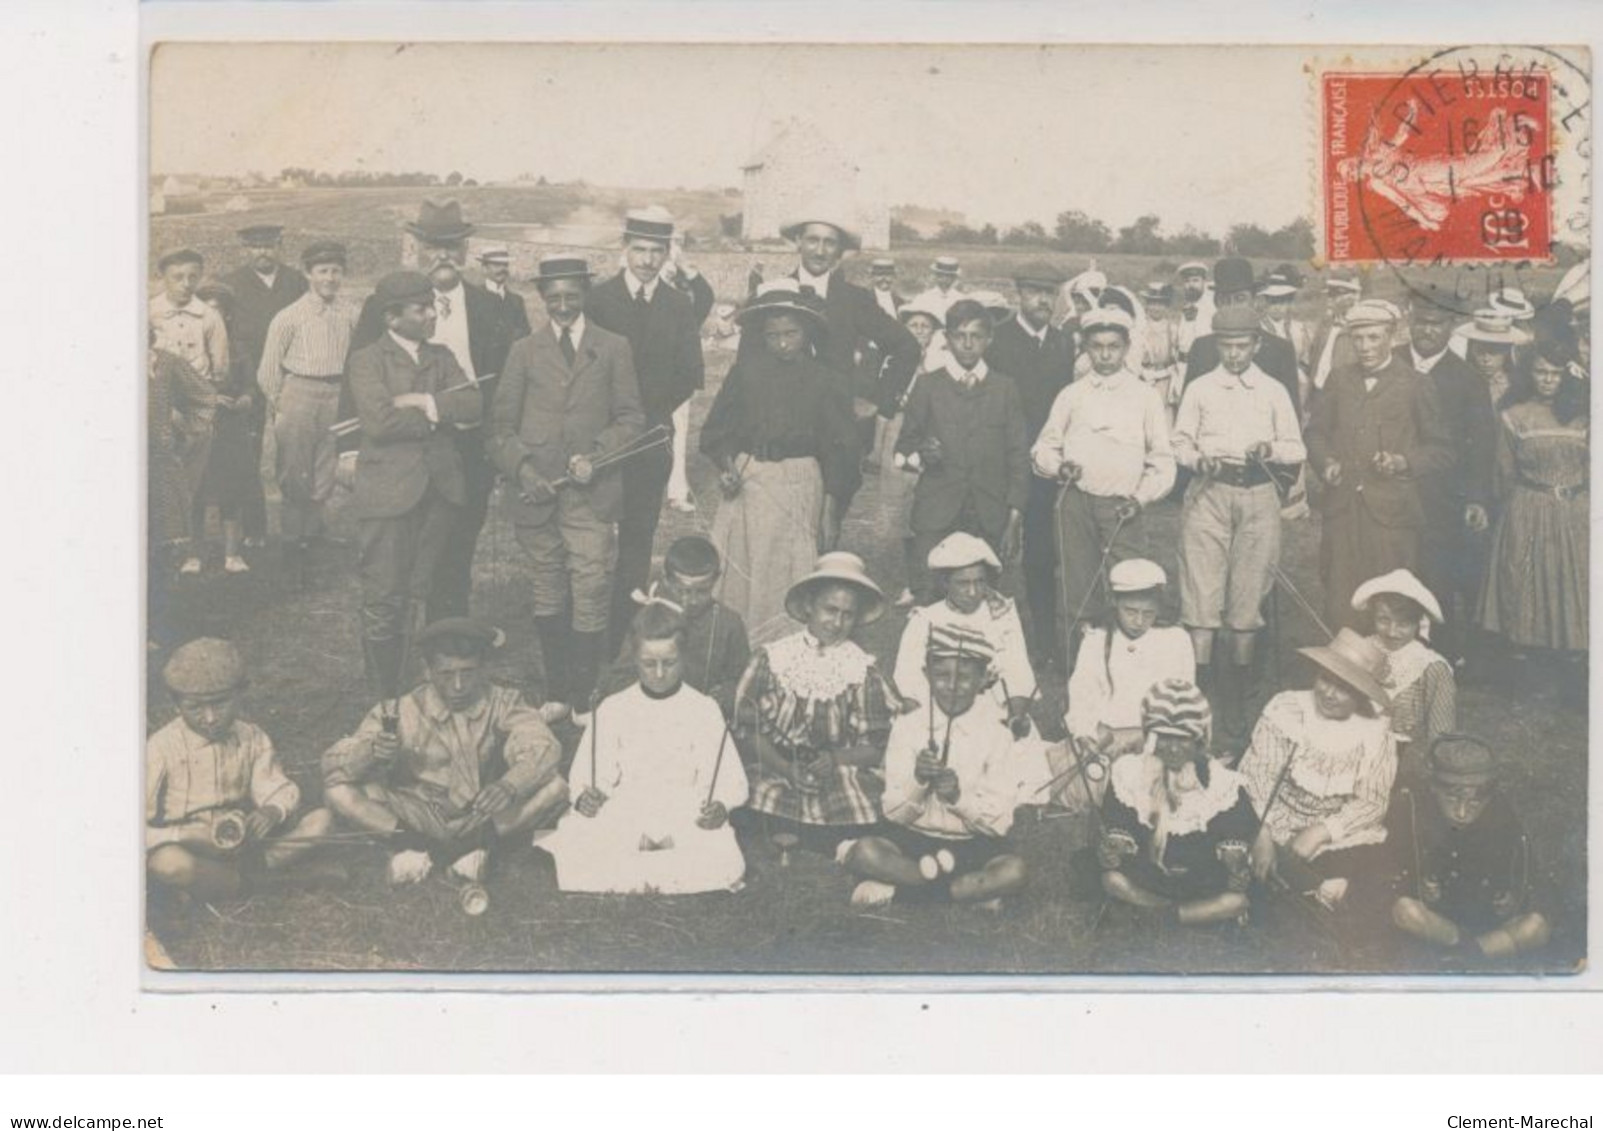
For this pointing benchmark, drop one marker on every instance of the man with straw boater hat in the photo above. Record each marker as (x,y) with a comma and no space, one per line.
(1375,432)
(474,325)
(262,287)
(496,263)
(663,328)
(567,398)
(854,325)
(1235,423)
(410,395)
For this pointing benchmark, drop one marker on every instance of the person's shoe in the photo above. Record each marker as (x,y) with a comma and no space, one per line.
(411,867)
(947,862)
(235,564)
(929,867)
(581,719)
(905,600)
(554,712)
(873,893)
(191,566)
(684,505)
(470,866)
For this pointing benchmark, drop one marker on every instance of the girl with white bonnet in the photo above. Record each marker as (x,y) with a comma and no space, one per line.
(1424,695)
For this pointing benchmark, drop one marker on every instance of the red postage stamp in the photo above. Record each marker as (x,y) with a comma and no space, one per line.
(1443,163)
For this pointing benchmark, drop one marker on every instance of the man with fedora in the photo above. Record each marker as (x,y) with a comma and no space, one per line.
(1040,358)
(474,325)
(300,373)
(410,486)
(1233,286)
(1457,501)
(568,395)
(854,326)
(1376,432)
(663,329)
(1234,423)
(262,287)
(496,263)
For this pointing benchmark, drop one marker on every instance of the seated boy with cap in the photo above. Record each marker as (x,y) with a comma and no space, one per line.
(716,650)
(450,766)
(1470,858)
(953,778)
(214,791)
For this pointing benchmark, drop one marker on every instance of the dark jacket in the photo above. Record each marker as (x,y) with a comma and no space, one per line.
(547,411)
(1468,415)
(985,461)
(255,305)
(1041,372)
(517,314)
(1351,424)
(402,453)
(665,339)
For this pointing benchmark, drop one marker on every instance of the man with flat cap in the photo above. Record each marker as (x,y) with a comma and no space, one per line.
(568,396)
(855,326)
(663,328)
(496,263)
(1195,305)
(1233,286)
(1376,432)
(1040,358)
(301,372)
(262,287)
(474,325)
(410,487)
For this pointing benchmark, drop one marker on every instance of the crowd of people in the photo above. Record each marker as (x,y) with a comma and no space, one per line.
(724,702)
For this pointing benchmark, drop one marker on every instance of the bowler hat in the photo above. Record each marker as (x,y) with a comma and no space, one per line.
(323,251)
(1232,275)
(439,221)
(653,222)
(401,287)
(261,235)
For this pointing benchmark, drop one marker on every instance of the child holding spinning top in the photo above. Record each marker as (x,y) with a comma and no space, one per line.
(952,781)
(654,779)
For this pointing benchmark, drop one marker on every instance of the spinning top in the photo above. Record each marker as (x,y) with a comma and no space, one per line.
(474,900)
(228,831)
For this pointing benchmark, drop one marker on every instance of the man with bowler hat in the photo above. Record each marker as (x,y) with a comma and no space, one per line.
(567,396)
(664,334)
(410,487)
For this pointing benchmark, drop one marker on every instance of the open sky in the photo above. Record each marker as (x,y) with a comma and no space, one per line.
(1208,136)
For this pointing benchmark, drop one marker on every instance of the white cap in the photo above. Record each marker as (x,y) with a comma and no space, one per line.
(1136,575)
(956,551)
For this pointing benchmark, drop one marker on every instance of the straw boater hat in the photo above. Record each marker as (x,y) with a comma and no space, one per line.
(1195,267)
(439,221)
(947,265)
(1136,575)
(1512,300)
(849,240)
(961,550)
(555,267)
(1106,318)
(838,567)
(653,222)
(261,235)
(780,296)
(1282,282)
(207,666)
(1344,283)
(1494,326)
(1156,291)
(918,306)
(1176,707)
(882,267)
(1401,583)
(1458,759)
(496,254)
(1355,660)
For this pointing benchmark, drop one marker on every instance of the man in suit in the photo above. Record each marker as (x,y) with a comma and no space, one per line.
(1040,359)
(473,324)
(664,333)
(882,273)
(1457,501)
(262,287)
(410,485)
(496,263)
(854,325)
(568,394)
(1376,432)
(1276,356)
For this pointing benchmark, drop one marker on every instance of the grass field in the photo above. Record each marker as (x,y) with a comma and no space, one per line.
(308,689)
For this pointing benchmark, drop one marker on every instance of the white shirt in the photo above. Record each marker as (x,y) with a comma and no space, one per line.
(451,330)
(1135,665)
(499,290)
(267,280)
(1425,364)
(1115,428)
(635,286)
(819,283)
(575,332)
(1223,415)
(969,377)
(993,774)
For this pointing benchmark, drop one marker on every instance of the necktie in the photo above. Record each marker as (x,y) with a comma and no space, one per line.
(567,345)
(442,303)
(641,300)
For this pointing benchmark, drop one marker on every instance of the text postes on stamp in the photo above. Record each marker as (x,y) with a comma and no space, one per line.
(1447,162)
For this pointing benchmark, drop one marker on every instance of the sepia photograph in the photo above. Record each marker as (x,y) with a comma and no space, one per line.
(799,509)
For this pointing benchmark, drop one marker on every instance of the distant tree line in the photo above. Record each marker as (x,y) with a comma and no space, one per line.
(317,178)
(1077,232)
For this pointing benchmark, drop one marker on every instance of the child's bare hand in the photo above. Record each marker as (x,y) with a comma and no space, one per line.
(713,815)
(590,802)
(946,786)
(493,798)
(927,766)
(386,745)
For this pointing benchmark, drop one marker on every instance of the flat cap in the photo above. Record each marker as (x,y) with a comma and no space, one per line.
(1041,273)
(1136,575)
(461,628)
(261,235)
(957,551)
(180,255)
(321,252)
(207,666)
(401,287)
(1238,319)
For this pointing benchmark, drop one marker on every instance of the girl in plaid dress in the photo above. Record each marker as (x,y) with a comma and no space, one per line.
(817,711)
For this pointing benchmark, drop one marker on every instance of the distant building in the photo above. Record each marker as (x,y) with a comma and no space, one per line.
(800,170)
(927,222)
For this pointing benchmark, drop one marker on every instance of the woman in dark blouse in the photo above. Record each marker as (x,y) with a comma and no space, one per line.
(781,432)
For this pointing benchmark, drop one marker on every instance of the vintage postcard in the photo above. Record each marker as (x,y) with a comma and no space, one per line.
(788,509)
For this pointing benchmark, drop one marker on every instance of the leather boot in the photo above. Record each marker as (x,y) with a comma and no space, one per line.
(556,657)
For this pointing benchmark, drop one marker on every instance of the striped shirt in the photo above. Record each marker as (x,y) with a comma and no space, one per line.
(195,332)
(308,338)
(189,781)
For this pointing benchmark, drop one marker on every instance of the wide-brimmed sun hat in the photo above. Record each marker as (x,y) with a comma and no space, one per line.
(838,567)
(1495,327)
(1400,583)
(1355,660)
(849,239)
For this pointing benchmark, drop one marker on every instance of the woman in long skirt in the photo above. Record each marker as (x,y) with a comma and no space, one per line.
(782,435)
